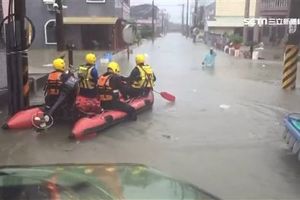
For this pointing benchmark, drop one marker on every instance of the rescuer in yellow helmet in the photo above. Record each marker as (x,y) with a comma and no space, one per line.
(142,77)
(111,88)
(88,77)
(54,81)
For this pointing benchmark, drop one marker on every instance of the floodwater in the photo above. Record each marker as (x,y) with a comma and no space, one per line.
(223,134)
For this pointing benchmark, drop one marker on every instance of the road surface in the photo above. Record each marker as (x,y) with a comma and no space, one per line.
(223,133)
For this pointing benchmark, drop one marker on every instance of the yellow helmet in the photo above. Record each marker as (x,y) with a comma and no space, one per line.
(90,58)
(114,66)
(140,59)
(59,64)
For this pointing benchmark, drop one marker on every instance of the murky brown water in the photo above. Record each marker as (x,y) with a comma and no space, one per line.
(233,151)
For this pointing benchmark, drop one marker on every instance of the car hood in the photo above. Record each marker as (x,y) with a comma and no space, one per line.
(93,181)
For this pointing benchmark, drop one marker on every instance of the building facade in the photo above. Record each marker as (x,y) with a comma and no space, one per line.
(274,7)
(274,35)
(231,8)
(142,15)
(89,24)
(227,16)
(210,12)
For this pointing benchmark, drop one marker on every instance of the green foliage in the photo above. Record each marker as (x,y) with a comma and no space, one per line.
(236,39)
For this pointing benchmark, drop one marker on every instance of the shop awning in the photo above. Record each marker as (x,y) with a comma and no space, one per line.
(90,20)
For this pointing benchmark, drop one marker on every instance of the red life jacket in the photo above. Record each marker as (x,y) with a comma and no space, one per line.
(53,83)
(105,90)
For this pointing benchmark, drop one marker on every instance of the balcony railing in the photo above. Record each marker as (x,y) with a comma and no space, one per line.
(274,4)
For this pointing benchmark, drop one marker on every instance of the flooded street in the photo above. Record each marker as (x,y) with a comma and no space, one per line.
(223,134)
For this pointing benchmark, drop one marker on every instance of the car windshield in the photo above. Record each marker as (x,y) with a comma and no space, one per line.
(93,182)
(199,99)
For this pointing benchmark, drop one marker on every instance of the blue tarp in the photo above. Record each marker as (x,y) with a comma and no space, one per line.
(106,55)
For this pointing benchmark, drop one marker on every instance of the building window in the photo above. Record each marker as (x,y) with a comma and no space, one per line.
(266,31)
(50,32)
(95,1)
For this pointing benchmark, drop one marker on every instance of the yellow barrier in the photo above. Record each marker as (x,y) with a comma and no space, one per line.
(290,67)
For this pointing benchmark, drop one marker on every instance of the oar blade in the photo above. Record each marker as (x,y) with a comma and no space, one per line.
(168,96)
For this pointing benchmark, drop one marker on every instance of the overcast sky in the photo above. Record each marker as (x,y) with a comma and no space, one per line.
(171,6)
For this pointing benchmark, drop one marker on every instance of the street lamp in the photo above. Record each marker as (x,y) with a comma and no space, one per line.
(153,27)
(182,25)
(59,26)
(187,18)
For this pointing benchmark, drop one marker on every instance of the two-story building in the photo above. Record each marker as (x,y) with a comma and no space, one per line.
(227,16)
(224,18)
(142,14)
(89,24)
(270,34)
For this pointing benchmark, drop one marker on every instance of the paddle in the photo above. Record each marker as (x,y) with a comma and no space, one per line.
(166,96)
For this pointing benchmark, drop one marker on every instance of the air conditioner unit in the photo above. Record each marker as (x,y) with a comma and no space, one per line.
(49,2)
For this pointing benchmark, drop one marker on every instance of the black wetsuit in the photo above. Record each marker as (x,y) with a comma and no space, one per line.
(116,83)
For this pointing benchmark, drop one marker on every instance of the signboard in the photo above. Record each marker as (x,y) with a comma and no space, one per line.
(128,34)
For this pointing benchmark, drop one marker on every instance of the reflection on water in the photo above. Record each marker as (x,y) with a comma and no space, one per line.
(93,182)
(209,70)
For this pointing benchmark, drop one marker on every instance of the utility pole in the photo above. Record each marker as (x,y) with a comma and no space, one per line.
(17,59)
(195,23)
(292,49)
(187,19)
(163,23)
(1,18)
(167,23)
(201,17)
(59,26)
(182,25)
(246,15)
(153,26)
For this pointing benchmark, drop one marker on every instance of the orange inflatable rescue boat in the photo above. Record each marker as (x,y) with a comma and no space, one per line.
(85,126)
(88,126)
